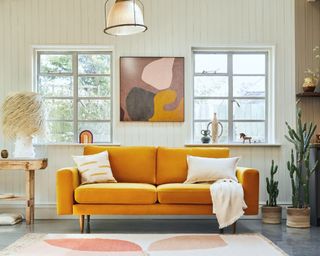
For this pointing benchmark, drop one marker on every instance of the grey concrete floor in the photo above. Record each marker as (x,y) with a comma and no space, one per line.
(299,242)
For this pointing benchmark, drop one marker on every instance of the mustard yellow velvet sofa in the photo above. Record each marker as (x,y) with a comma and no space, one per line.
(150,182)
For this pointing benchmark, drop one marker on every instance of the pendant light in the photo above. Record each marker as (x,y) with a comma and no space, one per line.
(124,18)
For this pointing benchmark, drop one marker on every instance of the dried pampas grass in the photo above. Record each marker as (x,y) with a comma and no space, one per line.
(23,115)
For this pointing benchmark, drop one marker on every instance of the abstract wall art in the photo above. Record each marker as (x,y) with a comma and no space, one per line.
(152,89)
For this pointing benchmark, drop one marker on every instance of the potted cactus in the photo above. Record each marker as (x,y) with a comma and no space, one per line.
(298,215)
(271,212)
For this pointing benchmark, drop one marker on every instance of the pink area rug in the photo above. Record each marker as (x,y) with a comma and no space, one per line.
(141,244)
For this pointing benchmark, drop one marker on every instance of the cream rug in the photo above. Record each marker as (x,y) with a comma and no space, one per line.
(142,244)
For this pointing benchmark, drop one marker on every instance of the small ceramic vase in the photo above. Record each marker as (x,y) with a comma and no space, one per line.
(4,153)
(206,136)
(309,84)
(215,129)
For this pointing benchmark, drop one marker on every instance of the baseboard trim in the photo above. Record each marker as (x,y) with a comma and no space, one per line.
(48,211)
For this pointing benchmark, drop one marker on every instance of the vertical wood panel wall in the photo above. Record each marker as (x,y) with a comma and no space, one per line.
(307,37)
(175,26)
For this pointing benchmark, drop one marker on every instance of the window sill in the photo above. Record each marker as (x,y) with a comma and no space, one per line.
(235,145)
(76,144)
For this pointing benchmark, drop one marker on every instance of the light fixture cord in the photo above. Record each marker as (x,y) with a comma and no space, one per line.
(134,12)
(105,13)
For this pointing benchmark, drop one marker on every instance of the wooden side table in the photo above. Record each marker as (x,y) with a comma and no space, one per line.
(29,166)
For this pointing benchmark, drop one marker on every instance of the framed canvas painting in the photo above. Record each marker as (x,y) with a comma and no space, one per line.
(152,89)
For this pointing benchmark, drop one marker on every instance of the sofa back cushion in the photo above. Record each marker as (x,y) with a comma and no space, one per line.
(172,164)
(129,164)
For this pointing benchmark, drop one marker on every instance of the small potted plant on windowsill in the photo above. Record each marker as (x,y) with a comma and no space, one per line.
(271,212)
(298,215)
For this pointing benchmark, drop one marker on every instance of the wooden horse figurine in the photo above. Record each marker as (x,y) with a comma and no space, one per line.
(245,137)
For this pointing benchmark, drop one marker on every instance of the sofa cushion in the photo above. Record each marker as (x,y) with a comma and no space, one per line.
(94,168)
(178,193)
(172,162)
(116,193)
(130,164)
(204,169)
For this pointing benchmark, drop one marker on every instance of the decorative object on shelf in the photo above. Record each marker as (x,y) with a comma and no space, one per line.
(318,138)
(271,212)
(245,138)
(312,75)
(23,118)
(125,17)
(152,89)
(206,136)
(86,137)
(298,215)
(4,153)
(10,219)
(215,129)
(309,84)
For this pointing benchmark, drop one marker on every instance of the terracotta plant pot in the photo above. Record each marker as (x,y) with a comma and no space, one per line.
(271,215)
(298,217)
(309,88)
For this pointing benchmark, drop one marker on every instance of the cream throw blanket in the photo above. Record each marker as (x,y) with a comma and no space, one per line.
(227,201)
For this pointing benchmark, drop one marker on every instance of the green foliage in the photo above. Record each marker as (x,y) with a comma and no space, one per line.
(272,186)
(299,165)
(56,80)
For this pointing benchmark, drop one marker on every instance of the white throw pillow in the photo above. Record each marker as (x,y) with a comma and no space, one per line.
(203,169)
(94,168)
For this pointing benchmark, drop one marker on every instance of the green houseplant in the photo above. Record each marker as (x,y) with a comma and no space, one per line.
(298,215)
(271,212)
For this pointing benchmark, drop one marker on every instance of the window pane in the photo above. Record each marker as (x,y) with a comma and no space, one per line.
(204,109)
(249,86)
(55,86)
(94,109)
(199,126)
(249,64)
(94,63)
(60,132)
(211,86)
(59,109)
(55,63)
(90,86)
(253,129)
(249,110)
(211,63)
(101,130)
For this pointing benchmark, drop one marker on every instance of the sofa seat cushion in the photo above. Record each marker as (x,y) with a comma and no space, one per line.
(116,193)
(178,193)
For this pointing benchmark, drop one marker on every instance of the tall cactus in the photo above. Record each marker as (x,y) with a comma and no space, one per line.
(299,166)
(293,170)
(272,186)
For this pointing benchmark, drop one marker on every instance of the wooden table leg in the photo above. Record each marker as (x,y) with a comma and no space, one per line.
(30,196)
(81,222)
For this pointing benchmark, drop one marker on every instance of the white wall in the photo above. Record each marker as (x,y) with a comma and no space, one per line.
(174,27)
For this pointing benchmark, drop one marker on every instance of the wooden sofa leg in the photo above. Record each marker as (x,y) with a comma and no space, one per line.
(88,224)
(81,222)
(221,231)
(234,227)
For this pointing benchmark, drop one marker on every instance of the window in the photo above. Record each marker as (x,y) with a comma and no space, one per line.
(234,84)
(77,90)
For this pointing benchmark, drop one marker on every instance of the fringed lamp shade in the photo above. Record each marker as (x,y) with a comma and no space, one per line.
(125,18)
(23,118)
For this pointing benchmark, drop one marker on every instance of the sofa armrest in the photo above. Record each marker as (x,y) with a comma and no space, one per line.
(67,181)
(249,178)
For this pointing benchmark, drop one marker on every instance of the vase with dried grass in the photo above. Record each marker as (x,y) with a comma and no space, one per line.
(22,120)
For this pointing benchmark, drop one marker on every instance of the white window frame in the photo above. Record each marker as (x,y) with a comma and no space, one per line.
(75,51)
(270,136)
